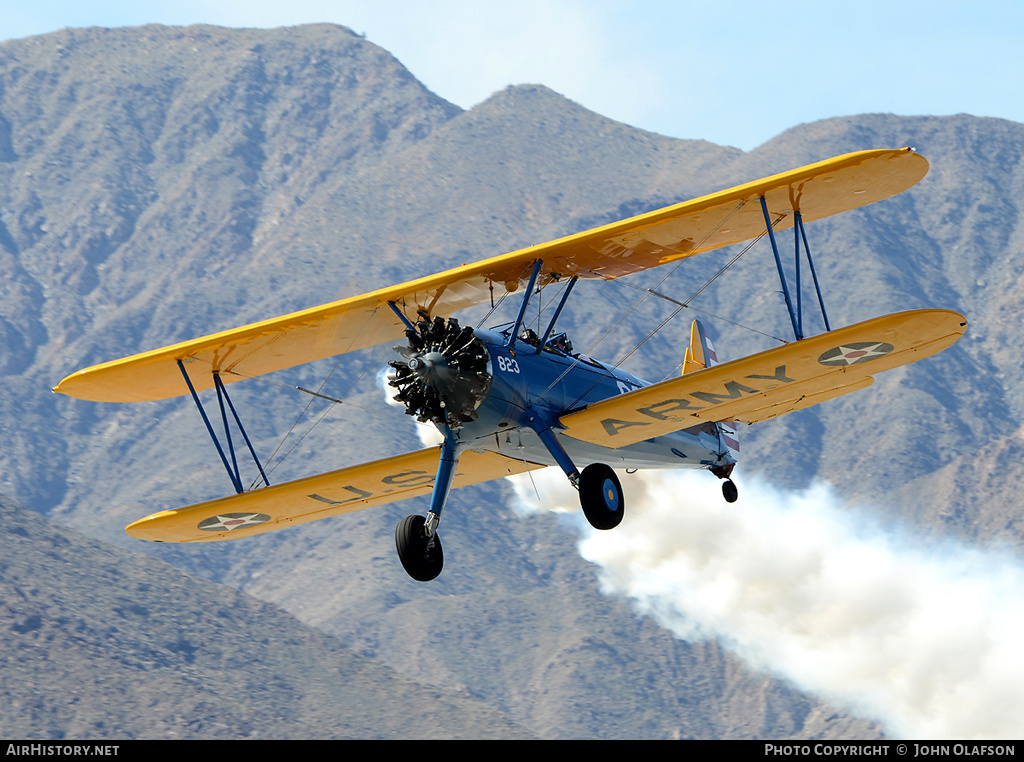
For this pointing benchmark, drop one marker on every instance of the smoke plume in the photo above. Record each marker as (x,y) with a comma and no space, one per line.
(924,639)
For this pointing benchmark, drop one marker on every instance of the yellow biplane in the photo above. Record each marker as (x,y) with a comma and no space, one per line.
(568,410)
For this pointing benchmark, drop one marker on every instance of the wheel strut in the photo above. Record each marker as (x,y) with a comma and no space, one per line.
(729,490)
(416,538)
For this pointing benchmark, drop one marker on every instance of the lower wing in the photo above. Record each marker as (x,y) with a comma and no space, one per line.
(769,384)
(317,497)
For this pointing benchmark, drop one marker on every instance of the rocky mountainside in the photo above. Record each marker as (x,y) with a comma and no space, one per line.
(164,183)
(98,642)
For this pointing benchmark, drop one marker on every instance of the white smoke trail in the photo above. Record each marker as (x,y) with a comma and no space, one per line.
(427,432)
(924,639)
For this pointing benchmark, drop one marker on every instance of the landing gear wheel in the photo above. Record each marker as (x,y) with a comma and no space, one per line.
(729,491)
(601,496)
(422,557)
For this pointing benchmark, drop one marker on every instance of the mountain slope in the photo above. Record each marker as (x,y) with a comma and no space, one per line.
(101,643)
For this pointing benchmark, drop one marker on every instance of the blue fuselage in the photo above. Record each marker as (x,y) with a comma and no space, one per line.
(531,389)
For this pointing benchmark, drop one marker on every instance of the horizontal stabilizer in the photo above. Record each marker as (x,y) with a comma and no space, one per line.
(611,251)
(317,497)
(771,383)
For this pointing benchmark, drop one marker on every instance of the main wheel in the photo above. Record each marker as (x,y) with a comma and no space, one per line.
(601,496)
(422,558)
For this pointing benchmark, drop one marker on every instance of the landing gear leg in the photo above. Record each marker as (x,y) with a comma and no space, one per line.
(600,491)
(729,490)
(416,538)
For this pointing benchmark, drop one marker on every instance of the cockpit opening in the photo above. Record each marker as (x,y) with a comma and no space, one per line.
(560,343)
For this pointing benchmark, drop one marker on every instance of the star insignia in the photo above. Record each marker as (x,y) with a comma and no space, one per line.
(227,522)
(855,352)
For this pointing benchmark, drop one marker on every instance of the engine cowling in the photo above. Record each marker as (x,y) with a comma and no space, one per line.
(445,374)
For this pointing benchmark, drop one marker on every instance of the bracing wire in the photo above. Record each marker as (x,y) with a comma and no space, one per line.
(305,409)
(681,306)
(314,395)
(650,292)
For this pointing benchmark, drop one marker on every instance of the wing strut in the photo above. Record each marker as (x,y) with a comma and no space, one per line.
(511,341)
(558,311)
(814,275)
(795,313)
(222,396)
(402,317)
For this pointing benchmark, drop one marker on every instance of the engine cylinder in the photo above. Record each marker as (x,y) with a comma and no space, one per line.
(445,373)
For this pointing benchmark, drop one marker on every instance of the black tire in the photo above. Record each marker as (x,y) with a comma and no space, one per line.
(729,491)
(601,496)
(421,559)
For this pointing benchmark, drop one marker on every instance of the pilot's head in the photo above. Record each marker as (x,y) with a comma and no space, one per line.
(561,343)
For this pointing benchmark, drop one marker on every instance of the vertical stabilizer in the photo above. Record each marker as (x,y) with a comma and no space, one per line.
(700,355)
(701,352)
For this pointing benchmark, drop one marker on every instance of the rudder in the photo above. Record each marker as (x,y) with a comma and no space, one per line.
(700,355)
(701,352)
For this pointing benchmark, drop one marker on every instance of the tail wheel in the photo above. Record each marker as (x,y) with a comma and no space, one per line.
(601,496)
(729,491)
(421,556)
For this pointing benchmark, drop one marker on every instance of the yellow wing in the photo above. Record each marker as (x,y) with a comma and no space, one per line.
(317,497)
(771,383)
(720,219)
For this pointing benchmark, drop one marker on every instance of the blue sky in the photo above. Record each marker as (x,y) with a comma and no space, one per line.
(735,73)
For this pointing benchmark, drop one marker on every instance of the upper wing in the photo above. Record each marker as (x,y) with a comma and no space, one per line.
(611,251)
(317,497)
(771,383)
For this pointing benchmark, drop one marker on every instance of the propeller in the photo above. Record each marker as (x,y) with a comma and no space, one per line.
(445,374)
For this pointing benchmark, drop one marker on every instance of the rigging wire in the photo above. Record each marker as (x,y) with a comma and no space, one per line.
(681,306)
(338,401)
(650,292)
(310,429)
(293,387)
(494,307)
(646,292)
(687,304)
(270,468)
(318,393)
(271,465)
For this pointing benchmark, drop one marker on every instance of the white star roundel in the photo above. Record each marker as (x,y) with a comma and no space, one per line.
(855,352)
(226,522)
